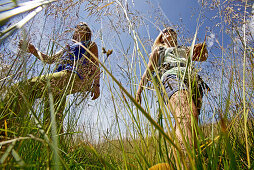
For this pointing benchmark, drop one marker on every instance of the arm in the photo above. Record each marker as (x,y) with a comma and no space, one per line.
(157,41)
(153,60)
(96,83)
(43,57)
(200,52)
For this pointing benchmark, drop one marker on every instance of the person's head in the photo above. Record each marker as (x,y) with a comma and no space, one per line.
(167,37)
(82,32)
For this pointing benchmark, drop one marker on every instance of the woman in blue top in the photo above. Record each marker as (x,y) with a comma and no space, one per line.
(77,70)
(172,65)
(74,60)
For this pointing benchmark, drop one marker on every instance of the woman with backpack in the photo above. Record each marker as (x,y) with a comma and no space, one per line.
(77,70)
(182,87)
(74,60)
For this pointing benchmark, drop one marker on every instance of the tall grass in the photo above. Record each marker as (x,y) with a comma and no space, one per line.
(138,136)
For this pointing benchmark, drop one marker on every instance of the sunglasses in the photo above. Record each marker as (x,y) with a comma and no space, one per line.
(82,24)
(168,30)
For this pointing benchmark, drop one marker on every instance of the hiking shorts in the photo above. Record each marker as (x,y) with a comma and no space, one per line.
(172,84)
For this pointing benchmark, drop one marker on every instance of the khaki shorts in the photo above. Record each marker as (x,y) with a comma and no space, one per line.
(63,81)
(172,84)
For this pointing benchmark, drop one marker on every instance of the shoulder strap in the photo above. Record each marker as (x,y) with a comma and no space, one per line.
(161,55)
(86,43)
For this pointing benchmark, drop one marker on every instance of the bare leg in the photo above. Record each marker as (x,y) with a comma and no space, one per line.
(16,109)
(183,110)
(58,83)
(59,106)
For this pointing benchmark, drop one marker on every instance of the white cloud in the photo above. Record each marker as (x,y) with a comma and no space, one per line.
(210,40)
(248,29)
(251,21)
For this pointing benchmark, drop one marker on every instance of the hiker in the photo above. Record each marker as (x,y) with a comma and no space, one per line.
(171,63)
(76,71)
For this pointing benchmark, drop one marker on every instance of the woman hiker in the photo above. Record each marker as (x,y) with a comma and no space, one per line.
(171,62)
(76,71)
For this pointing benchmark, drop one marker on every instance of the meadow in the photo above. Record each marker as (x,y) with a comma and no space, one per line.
(115,131)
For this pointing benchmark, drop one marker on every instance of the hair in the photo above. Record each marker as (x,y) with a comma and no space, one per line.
(82,26)
(159,41)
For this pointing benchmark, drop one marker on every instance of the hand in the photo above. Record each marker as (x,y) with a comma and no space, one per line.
(96,92)
(28,47)
(200,52)
(138,97)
